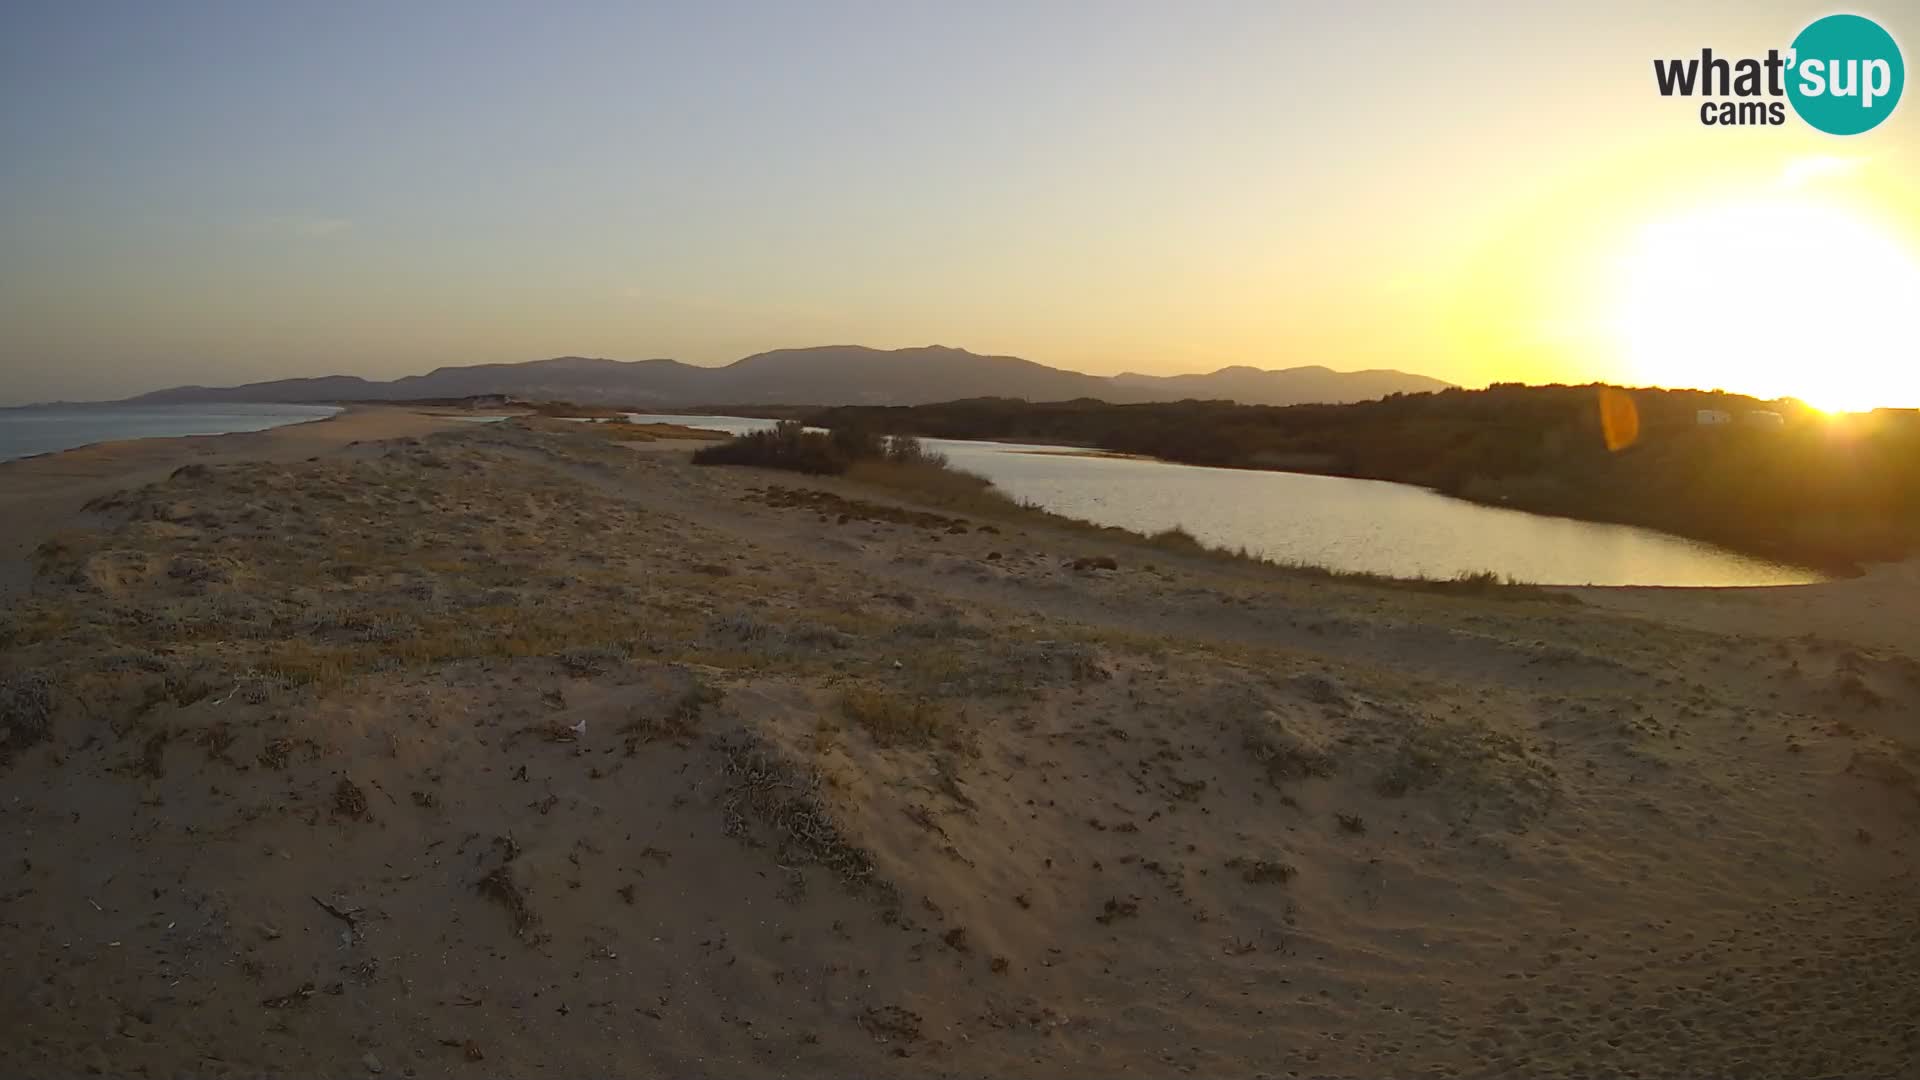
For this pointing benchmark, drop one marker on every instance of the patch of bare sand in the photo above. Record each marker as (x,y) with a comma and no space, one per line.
(512,750)
(1880,609)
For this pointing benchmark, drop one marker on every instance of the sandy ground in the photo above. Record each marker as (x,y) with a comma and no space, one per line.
(389,745)
(40,495)
(1878,610)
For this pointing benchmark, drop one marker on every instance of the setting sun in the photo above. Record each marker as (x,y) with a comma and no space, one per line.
(1786,296)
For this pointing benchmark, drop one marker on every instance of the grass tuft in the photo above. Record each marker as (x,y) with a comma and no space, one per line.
(893,719)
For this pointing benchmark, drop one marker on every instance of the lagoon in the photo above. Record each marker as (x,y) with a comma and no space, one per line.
(1370,526)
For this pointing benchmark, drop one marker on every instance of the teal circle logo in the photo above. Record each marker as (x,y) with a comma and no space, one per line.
(1845,74)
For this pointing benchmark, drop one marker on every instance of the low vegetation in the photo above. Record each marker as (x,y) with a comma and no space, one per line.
(1483,583)
(25,712)
(624,430)
(770,800)
(569,410)
(795,447)
(618,428)
(893,719)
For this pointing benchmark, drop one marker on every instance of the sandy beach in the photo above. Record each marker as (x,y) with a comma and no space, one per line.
(394,745)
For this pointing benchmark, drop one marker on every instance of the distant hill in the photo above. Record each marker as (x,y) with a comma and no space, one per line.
(826,375)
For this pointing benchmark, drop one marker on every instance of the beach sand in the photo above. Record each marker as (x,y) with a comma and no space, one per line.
(394,745)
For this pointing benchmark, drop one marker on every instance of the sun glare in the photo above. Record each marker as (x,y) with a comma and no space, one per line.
(1777,297)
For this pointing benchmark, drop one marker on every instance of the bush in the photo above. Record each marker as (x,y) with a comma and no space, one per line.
(791,446)
(788,446)
(857,442)
(907,450)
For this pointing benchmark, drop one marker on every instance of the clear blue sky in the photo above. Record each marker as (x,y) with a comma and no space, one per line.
(200,192)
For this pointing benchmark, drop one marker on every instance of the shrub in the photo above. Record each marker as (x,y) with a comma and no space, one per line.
(791,446)
(1176,538)
(856,442)
(907,450)
(788,446)
(764,788)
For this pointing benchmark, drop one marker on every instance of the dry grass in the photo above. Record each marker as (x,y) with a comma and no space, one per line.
(491,633)
(680,719)
(937,486)
(316,573)
(1472,770)
(1484,583)
(894,719)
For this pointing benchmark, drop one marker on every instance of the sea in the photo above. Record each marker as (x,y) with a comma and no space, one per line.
(48,429)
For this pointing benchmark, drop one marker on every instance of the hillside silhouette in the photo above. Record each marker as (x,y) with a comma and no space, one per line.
(827,375)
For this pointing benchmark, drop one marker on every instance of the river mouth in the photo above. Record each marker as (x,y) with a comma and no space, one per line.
(1342,524)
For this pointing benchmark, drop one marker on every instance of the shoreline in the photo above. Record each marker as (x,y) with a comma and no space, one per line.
(1832,571)
(1840,570)
(1837,567)
(143,455)
(337,411)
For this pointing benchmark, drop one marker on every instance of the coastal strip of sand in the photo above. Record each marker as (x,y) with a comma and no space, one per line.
(390,743)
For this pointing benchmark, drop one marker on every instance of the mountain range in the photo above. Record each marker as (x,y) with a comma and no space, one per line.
(826,375)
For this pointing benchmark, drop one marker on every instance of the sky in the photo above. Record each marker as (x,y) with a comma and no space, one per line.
(216,193)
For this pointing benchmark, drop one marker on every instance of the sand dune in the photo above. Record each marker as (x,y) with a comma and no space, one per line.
(39,495)
(388,744)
